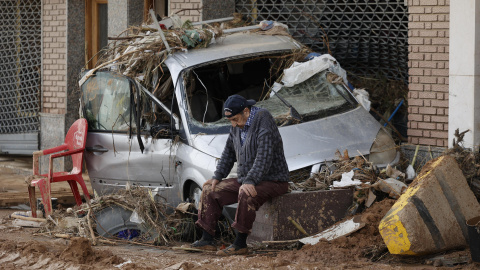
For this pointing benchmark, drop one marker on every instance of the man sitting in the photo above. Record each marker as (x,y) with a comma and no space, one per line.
(255,144)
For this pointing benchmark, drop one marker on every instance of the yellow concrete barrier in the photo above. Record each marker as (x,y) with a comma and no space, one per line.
(430,216)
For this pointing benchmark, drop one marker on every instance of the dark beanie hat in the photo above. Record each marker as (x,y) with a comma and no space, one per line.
(235,104)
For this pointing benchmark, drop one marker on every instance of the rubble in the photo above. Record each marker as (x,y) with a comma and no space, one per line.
(158,223)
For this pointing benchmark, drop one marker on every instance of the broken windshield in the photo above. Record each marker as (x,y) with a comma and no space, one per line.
(314,98)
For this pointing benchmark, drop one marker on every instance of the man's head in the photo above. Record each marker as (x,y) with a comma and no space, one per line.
(237,110)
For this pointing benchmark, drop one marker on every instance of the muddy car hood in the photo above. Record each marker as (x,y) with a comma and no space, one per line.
(315,141)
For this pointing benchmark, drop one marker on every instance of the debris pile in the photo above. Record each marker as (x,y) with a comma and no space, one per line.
(468,160)
(368,180)
(139,51)
(145,220)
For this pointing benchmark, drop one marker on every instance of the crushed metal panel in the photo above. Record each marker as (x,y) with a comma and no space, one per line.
(314,211)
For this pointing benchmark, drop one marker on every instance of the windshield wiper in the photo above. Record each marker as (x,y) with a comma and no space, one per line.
(293,112)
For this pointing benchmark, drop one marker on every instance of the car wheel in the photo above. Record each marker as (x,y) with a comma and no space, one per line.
(195,195)
(114,219)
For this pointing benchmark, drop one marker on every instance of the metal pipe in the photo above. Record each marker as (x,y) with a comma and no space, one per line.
(240,29)
(155,22)
(213,21)
(394,112)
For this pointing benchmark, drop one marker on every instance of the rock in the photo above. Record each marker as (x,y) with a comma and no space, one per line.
(430,216)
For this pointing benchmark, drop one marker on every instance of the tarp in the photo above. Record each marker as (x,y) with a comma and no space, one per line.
(300,72)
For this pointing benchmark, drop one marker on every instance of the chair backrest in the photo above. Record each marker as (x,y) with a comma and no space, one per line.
(75,139)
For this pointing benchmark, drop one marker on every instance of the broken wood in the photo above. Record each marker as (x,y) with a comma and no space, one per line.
(298,226)
(280,242)
(190,249)
(28,218)
(27,223)
(94,240)
(403,139)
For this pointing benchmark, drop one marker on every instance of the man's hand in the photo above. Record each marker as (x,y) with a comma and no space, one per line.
(249,189)
(212,182)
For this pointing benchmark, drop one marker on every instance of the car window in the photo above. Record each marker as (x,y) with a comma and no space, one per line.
(313,99)
(106,99)
(153,119)
(208,87)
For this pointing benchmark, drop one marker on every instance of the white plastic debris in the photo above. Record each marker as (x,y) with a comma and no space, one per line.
(338,230)
(275,88)
(411,172)
(300,72)
(123,264)
(347,180)
(362,97)
(135,218)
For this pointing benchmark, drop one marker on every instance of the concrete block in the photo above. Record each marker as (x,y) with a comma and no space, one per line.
(314,211)
(430,216)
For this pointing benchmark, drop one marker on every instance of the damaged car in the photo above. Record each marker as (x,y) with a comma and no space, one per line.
(169,136)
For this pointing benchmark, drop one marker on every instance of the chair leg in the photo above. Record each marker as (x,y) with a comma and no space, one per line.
(33,200)
(76,194)
(85,191)
(46,196)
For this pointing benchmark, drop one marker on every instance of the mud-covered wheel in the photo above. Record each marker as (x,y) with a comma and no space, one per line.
(115,219)
(195,194)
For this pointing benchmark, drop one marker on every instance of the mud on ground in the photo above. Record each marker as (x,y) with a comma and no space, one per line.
(21,249)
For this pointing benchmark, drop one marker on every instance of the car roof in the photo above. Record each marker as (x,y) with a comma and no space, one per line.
(234,45)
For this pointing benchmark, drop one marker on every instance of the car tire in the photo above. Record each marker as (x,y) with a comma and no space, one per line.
(195,195)
(113,219)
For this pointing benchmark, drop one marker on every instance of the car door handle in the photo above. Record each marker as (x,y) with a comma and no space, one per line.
(96,149)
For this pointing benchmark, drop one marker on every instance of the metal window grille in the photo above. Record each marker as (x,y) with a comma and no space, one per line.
(20,60)
(367,37)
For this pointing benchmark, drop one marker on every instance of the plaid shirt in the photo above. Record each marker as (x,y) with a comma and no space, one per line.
(244,131)
(261,158)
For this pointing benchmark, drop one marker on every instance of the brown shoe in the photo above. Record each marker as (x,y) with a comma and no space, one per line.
(204,245)
(232,250)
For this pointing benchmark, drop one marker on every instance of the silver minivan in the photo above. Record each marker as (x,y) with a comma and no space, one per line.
(170,137)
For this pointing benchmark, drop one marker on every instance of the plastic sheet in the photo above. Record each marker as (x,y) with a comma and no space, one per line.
(300,72)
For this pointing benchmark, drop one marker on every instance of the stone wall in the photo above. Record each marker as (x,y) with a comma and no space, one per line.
(428,71)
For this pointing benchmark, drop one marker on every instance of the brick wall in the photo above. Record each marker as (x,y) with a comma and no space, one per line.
(192,15)
(428,39)
(54,72)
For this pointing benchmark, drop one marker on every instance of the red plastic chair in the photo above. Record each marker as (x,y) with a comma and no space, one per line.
(73,146)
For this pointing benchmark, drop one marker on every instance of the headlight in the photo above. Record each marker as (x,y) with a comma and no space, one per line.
(383,149)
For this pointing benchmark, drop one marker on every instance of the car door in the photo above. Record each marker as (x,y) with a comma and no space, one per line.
(120,147)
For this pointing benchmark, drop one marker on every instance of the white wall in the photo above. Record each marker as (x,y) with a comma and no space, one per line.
(464,79)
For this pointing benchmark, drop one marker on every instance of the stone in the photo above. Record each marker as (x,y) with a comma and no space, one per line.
(430,216)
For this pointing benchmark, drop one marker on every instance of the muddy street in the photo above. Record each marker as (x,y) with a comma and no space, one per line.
(24,248)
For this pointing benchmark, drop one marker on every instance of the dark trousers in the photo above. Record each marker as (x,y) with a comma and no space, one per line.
(226,192)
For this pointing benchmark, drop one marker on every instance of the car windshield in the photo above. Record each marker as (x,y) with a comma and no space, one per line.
(313,99)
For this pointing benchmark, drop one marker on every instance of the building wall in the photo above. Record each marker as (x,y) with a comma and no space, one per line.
(54,35)
(428,71)
(123,14)
(54,79)
(192,15)
(214,9)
